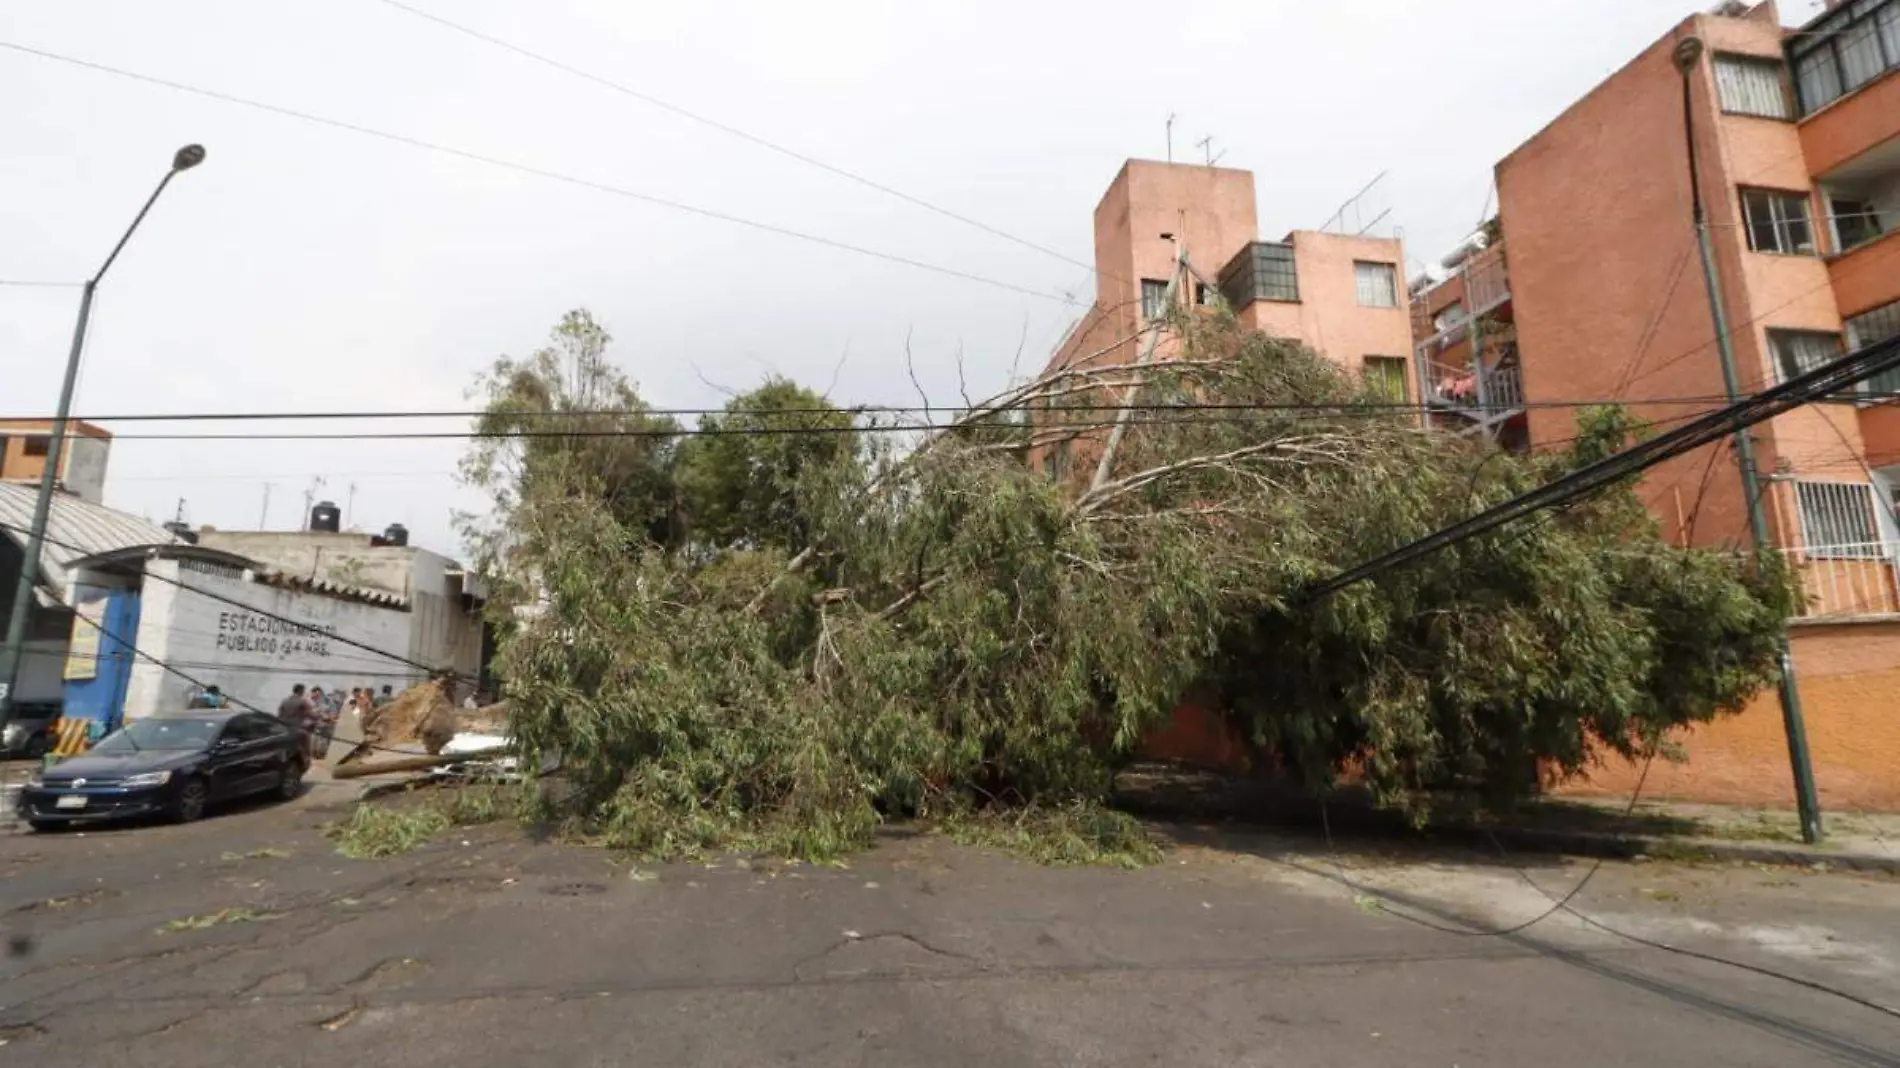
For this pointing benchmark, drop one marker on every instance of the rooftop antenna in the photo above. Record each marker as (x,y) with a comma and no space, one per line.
(263,514)
(1170,137)
(1352,205)
(349,507)
(1206,145)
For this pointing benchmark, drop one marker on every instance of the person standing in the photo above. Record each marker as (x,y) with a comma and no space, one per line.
(297,713)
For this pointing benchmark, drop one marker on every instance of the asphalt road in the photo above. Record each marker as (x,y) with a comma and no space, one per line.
(487,948)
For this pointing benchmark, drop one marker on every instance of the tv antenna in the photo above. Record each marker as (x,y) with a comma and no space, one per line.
(1170,137)
(1206,145)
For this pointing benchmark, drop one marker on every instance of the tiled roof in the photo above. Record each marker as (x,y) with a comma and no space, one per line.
(74,529)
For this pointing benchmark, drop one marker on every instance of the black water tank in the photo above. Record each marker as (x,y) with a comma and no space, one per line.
(396,534)
(326,517)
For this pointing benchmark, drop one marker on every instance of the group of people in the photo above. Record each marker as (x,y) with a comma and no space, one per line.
(314,713)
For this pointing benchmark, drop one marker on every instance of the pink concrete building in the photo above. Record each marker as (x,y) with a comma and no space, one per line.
(1341,295)
(1591,289)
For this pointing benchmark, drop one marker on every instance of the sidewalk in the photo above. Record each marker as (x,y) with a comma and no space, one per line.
(1860,841)
(1856,841)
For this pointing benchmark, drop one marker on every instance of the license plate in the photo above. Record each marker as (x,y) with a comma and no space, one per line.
(71,801)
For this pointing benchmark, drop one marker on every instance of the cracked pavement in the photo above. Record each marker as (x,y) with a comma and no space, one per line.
(490,948)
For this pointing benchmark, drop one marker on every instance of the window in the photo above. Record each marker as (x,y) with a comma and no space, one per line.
(1778,222)
(1276,276)
(1799,351)
(37,445)
(244,729)
(1154,298)
(1385,378)
(1453,314)
(1837,519)
(1205,295)
(1859,50)
(1873,326)
(1261,271)
(1856,222)
(1847,48)
(1378,284)
(1749,85)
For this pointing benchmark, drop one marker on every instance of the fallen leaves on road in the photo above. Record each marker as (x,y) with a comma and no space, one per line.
(217,919)
(268,853)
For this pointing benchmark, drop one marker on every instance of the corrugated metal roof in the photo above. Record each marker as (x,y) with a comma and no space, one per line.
(74,529)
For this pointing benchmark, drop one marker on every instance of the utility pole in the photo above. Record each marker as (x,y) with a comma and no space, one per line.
(1688,58)
(183,160)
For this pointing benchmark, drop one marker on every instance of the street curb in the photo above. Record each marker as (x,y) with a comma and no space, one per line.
(1662,847)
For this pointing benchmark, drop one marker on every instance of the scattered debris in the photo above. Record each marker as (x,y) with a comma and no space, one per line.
(67,901)
(267,853)
(341,1019)
(375,831)
(217,919)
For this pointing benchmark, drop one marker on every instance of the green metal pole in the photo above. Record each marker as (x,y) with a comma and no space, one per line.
(1688,55)
(11,653)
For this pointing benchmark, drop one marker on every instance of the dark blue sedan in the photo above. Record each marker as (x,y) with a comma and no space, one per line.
(174,766)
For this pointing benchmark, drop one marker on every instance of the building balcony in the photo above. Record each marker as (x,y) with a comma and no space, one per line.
(1484,398)
(1843,582)
(1846,67)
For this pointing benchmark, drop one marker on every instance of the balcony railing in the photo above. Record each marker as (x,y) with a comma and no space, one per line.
(1846,581)
(1494,395)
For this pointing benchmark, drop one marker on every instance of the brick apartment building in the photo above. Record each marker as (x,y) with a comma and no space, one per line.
(1591,288)
(1342,295)
(25,443)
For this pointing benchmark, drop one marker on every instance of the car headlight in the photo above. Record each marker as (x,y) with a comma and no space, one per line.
(150,778)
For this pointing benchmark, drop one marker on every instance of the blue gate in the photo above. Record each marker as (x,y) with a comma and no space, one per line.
(99,660)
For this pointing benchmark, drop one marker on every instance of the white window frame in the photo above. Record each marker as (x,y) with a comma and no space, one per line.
(1753,85)
(1839,520)
(1781,221)
(1154,302)
(1376,283)
(1797,352)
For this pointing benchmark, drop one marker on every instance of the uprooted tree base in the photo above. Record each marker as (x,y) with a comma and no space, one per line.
(965,638)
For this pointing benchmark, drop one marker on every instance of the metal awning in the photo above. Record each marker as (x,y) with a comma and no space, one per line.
(75,529)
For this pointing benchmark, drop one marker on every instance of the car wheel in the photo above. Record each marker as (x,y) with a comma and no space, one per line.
(35,747)
(292,783)
(190,802)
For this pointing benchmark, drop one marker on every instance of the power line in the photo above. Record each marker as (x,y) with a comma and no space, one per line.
(734,131)
(529,169)
(38,284)
(790,431)
(1757,317)
(1830,378)
(858,409)
(265,612)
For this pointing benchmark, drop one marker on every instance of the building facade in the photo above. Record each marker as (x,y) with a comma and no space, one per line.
(441,599)
(1590,289)
(1341,295)
(26,443)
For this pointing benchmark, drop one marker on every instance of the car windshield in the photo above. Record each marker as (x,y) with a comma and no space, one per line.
(169,732)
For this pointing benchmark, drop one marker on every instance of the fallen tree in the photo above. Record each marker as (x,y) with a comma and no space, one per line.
(963,631)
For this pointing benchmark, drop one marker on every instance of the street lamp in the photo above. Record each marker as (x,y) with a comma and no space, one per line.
(183,160)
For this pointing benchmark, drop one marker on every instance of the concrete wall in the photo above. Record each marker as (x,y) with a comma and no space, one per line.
(348,559)
(250,657)
(1850,694)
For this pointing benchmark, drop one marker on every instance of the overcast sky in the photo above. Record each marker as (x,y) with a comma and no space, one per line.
(305,267)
